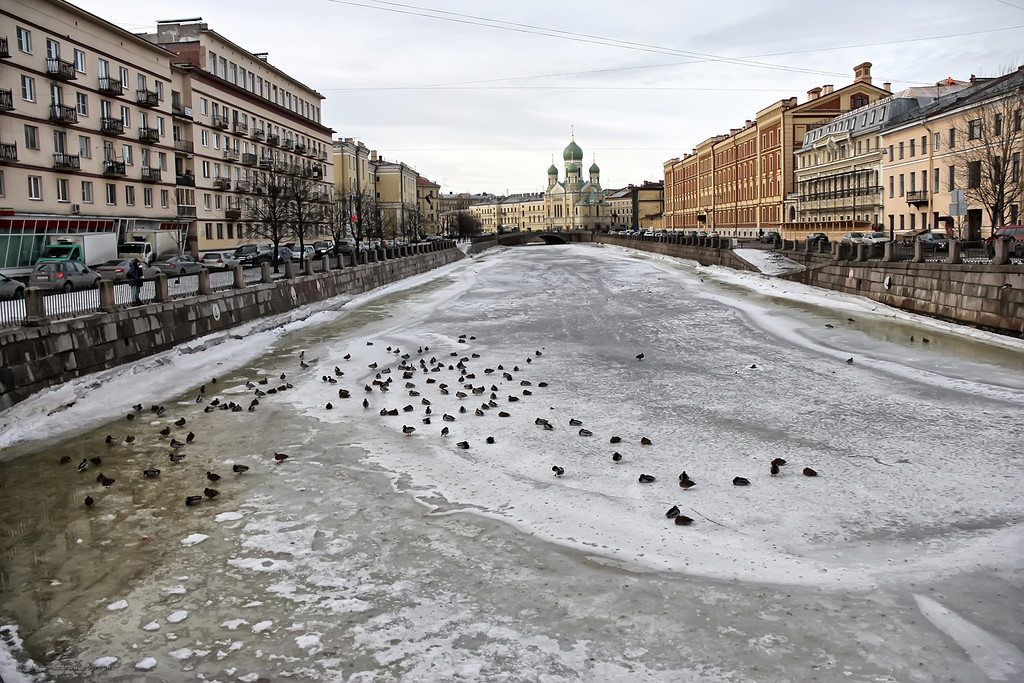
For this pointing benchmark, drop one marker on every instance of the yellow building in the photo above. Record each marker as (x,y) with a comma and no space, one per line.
(395,196)
(427,194)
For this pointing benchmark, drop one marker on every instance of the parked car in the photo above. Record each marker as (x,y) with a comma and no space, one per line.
(323,247)
(63,275)
(770,237)
(874,237)
(934,241)
(11,289)
(307,252)
(283,253)
(178,265)
(220,260)
(1012,233)
(713,233)
(254,254)
(852,237)
(346,245)
(117,270)
(817,238)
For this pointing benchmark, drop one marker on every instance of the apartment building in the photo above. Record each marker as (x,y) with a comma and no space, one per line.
(969,142)
(239,123)
(427,193)
(839,178)
(737,183)
(396,195)
(86,131)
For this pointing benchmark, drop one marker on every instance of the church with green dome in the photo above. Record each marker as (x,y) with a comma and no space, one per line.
(575,203)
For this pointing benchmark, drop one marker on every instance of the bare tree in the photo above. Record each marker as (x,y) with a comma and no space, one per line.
(988,151)
(410,226)
(468,225)
(306,198)
(269,205)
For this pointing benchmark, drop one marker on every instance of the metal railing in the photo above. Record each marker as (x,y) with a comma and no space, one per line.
(60,68)
(4,50)
(111,167)
(6,99)
(149,135)
(111,126)
(66,162)
(184,146)
(110,86)
(62,113)
(8,151)
(219,121)
(241,128)
(147,98)
(151,174)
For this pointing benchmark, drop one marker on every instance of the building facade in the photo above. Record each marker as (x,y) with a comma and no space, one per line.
(578,202)
(737,183)
(427,193)
(86,130)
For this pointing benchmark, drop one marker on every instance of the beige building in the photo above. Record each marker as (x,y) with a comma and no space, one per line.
(86,132)
(395,195)
(239,117)
(970,142)
(839,178)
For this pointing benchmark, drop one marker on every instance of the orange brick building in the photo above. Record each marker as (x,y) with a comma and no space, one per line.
(737,183)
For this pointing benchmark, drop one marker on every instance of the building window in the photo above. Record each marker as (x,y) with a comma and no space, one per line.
(84,147)
(935,181)
(163,199)
(913,181)
(82,103)
(901,150)
(1015,167)
(35,188)
(63,191)
(892,186)
(973,130)
(952,137)
(124,77)
(973,174)
(216,201)
(220,231)
(24,40)
(126,155)
(129,195)
(147,197)
(79,61)
(28,89)
(206,201)
(913,221)
(935,142)
(902,185)
(913,145)
(205,138)
(203,106)
(158,88)
(126,117)
(998,128)
(1017,119)
(924,144)
(31,137)
(111,194)
(206,168)
(952,178)
(161,159)
(87,192)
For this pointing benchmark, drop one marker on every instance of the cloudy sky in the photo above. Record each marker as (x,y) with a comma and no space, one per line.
(478,96)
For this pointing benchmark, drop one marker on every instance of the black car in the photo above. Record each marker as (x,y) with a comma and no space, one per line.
(323,247)
(817,238)
(254,254)
(770,237)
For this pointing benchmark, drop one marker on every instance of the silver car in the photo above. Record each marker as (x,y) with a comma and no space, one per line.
(64,276)
(11,289)
(178,265)
(117,270)
(220,260)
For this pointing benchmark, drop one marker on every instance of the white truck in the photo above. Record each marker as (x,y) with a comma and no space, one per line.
(92,249)
(150,245)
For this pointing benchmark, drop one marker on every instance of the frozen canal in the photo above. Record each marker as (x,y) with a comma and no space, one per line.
(369,554)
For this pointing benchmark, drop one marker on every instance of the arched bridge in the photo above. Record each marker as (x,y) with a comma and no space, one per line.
(545,237)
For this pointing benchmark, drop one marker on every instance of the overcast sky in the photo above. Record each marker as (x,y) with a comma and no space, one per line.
(478,96)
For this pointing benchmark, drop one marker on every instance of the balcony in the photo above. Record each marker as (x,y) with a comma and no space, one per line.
(219,121)
(266,163)
(322,155)
(249,159)
(149,135)
(318,172)
(273,140)
(240,128)
(288,143)
(917,197)
(110,86)
(113,168)
(231,155)
(66,162)
(62,113)
(4,51)
(111,126)
(186,211)
(232,214)
(184,147)
(181,111)
(8,151)
(185,180)
(60,69)
(6,99)
(257,134)
(147,98)
(150,175)
(300,148)
(222,183)
(242,186)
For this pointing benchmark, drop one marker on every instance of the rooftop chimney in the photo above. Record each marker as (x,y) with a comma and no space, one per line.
(862,73)
(813,94)
(826,89)
(887,86)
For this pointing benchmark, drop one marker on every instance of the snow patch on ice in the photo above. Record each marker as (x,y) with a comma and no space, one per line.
(151,626)
(194,539)
(119,605)
(146,664)
(228,517)
(262,626)
(232,624)
(310,643)
(261,564)
(176,617)
(104,662)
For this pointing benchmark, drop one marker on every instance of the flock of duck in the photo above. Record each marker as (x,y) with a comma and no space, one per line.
(422,384)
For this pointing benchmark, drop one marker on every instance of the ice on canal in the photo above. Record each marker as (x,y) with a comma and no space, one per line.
(531,540)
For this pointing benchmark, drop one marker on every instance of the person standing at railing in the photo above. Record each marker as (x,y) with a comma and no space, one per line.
(135,280)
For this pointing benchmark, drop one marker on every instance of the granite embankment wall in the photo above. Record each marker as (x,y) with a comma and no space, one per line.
(984,295)
(35,357)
